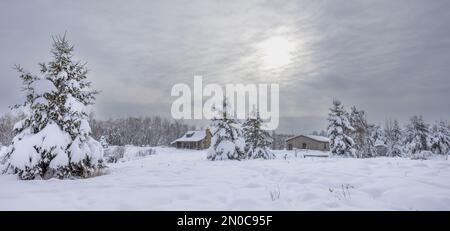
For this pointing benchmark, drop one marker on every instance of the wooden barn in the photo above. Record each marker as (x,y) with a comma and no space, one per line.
(310,142)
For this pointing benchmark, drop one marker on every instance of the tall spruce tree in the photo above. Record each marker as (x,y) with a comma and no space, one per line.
(394,138)
(440,139)
(378,141)
(378,136)
(339,130)
(227,142)
(363,143)
(417,136)
(53,139)
(257,140)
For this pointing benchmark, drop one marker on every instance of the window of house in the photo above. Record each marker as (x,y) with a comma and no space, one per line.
(304,145)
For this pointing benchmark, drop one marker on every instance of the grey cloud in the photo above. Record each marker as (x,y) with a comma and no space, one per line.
(391,58)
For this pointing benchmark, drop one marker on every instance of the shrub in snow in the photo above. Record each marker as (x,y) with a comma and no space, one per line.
(339,128)
(123,153)
(275,193)
(417,136)
(145,152)
(343,193)
(227,142)
(113,154)
(422,155)
(53,138)
(440,138)
(257,140)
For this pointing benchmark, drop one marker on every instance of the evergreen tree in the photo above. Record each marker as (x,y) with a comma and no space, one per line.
(417,136)
(363,144)
(257,140)
(378,136)
(339,129)
(54,138)
(227,142)
(378,141)
(440,140)
(393,138)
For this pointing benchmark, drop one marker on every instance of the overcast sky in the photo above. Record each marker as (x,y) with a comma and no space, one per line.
(390,58)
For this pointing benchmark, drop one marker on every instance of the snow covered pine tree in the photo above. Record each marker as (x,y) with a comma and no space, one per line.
(361,136)
(394,138)
(379,141)
(440,139)
(53,139)
(417,136)
(339,128)
(227,142)
(257,140)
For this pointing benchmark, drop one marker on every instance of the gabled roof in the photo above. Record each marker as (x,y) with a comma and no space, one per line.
(191,136)
(322,139)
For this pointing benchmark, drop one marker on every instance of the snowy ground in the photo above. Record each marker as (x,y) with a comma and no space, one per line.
(183,180)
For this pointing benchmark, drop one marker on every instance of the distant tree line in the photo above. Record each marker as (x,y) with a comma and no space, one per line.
(139,131)
(279,140)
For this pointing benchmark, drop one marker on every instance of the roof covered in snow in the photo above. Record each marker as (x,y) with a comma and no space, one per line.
(191,136)
(313,137)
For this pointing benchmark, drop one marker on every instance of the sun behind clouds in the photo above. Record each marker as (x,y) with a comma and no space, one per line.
(276,52)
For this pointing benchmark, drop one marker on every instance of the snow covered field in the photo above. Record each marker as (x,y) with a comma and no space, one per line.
(184,180)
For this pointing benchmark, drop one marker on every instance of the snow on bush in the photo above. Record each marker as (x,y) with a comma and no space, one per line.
(133,152)
(145,152)
(115,154)
(422,155)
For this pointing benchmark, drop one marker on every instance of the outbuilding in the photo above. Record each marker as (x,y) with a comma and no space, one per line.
(194,140)
(310,142)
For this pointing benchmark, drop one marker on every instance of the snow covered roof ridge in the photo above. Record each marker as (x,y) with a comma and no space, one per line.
(313,137)
(192,136)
